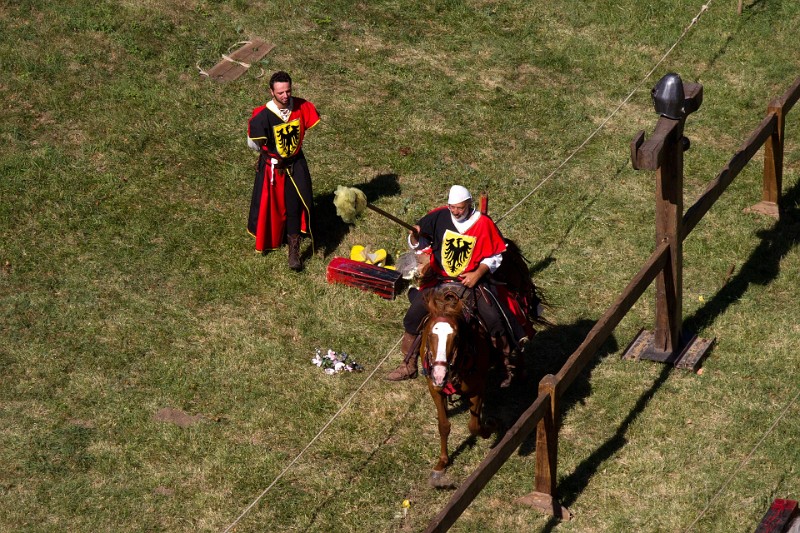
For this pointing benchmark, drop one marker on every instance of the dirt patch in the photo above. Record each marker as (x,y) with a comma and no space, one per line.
(163,491)
(88,424)
(177,417)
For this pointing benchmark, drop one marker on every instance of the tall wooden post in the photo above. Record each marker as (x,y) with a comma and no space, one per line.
(669,214)
(546,443)
(544,497)
(663,152)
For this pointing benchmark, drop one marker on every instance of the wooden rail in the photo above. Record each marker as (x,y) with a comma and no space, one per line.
(543,414)
(715,189)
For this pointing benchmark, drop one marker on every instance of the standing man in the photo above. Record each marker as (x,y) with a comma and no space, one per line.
(465,246)
(282,202)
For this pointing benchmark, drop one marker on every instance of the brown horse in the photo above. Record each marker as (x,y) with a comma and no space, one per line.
(456,358)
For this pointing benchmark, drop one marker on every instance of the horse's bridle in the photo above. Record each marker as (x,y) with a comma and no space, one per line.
(431,362)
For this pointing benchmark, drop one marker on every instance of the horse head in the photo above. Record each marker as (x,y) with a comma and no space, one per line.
(440,334)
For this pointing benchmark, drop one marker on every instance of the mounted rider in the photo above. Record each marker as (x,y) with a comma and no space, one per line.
(464,246)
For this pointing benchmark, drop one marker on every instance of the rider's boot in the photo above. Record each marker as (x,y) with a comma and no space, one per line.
(512,359)
(408,369)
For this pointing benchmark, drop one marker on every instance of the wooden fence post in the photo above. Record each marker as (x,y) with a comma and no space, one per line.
(773,166)
(544,496)
(669,215)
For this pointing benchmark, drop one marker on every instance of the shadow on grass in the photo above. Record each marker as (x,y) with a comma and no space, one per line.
(546,354)
(330,228)
(761,267)
(572,485)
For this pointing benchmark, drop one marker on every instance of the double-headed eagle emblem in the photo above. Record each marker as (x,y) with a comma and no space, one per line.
(287,138)
(456,252)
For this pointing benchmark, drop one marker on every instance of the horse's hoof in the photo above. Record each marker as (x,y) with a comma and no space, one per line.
(440,480)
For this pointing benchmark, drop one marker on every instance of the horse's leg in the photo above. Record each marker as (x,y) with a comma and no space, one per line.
(475,426)
(444,428)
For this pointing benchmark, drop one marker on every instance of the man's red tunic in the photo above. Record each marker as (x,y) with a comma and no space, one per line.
(281,159)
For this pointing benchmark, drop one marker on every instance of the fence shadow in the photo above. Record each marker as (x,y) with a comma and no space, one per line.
(760,268)
(546,354)
(330,228)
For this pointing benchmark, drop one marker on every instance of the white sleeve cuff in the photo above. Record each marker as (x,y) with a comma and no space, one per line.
(493,262)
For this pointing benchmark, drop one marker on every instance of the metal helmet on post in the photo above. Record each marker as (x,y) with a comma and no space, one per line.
(668,96)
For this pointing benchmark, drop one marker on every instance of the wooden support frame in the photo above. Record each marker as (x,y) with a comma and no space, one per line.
(663,152)
(234,65)
(726,176)
(542,414)
(472,486)
(544,498)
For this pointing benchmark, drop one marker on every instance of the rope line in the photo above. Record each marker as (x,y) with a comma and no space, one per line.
(744,461)
(609,117)
(297,458)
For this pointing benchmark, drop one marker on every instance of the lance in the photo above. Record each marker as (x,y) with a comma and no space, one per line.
(351,202)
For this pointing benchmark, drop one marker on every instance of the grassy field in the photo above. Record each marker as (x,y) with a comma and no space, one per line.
(128,283)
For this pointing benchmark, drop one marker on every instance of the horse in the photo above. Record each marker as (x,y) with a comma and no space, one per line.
(456,357)
(456,350)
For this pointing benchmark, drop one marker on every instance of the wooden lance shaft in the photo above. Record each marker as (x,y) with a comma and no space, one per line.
(393,218)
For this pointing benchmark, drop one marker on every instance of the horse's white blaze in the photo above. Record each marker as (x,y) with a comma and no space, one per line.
(443,330)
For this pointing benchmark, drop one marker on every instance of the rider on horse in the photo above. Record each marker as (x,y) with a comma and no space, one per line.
(464,246)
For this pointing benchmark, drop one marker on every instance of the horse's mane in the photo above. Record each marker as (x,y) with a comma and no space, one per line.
(443,303)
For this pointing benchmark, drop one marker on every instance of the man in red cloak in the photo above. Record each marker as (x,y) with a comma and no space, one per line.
(282,201)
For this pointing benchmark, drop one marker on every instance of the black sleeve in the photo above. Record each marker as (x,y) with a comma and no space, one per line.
(257,128)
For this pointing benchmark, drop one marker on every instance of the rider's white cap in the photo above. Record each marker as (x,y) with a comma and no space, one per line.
(458,194)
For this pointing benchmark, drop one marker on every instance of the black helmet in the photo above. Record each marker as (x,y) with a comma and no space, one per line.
(668,96)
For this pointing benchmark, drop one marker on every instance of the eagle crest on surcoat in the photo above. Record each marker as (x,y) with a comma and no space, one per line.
(287,138)
(456,252)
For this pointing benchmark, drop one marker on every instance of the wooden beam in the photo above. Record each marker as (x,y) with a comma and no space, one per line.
(650,154)
(787,100)
(470,488)
(547,441)
(693,97)
(636,143)
(613,315)
(669,216)
(728,173)
(773,161)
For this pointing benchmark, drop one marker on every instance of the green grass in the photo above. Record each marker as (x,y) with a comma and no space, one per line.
(128,282)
